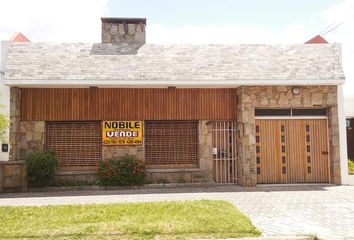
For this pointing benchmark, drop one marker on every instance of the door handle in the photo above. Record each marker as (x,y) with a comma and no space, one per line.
(325,152)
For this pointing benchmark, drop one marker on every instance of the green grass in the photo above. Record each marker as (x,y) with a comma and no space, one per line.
(162,220)
(351,167)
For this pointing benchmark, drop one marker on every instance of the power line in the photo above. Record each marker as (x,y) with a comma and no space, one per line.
(331,29)
(325,29)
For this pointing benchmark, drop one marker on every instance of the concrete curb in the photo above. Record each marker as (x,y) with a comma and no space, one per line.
(285,237)
(146,186)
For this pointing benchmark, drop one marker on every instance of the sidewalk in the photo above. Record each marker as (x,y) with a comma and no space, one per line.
(322,210)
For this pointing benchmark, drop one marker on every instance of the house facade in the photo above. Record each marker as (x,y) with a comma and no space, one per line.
(246,114)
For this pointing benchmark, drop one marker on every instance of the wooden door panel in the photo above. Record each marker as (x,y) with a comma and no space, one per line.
(317,157)
(268,151)
(296,152)
(292,150)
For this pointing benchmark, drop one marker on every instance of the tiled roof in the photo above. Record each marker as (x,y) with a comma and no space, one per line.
(19,37)
(318,39)
(88,61)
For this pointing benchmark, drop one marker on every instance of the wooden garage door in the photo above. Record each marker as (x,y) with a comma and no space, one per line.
(292,150)
(77,144)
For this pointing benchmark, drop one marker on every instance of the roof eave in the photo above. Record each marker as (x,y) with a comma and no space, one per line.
(166,83)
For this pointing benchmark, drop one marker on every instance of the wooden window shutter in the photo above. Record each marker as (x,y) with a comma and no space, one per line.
(75,143)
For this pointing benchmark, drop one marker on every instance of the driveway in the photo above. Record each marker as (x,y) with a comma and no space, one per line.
(324,210)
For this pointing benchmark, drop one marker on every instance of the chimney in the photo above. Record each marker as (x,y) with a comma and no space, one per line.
(123,30)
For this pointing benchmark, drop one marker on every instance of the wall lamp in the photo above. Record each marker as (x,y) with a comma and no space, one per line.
(295,90)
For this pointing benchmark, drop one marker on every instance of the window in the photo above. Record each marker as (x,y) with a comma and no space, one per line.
(171,142)
(76,144)
(309,112)
(272,112)
(264,112)
(258,149)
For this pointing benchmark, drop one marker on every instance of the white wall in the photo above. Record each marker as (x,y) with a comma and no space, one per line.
(349,106)
(4,91)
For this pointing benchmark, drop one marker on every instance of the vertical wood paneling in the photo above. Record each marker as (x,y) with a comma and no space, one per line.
(269,154)
(296,150)
(301,164)
(45,104)
(319,151)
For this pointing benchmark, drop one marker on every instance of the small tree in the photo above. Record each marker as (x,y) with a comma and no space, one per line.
(4,124)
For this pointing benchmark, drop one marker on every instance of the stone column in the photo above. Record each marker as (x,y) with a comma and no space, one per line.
(15,104)
(205,150)
(246,145)
(334,147)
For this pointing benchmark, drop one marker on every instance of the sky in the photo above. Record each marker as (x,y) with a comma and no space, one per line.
(188,21)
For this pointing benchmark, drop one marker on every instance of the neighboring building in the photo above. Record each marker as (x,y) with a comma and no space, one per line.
(5,90)
(4,97)
(349,111)
(242,114)
(318,39)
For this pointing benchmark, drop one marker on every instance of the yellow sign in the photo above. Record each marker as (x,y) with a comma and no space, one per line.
(122,132)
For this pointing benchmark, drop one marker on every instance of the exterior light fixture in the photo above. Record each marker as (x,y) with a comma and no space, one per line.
(295,90)
(4,147)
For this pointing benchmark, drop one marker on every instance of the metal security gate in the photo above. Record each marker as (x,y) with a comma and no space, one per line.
(292,150)
(77,144)
(224,151)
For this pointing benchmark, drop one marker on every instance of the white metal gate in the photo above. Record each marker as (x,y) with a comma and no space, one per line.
(224,151)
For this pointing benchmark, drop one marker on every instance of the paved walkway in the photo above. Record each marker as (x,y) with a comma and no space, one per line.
(327,211)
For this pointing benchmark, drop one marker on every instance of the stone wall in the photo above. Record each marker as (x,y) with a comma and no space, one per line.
(12,176)
(249,98)
(31,137)
(123,30)
(110,152)
(245,140)
(205,150)
(25,136)
(15,106)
